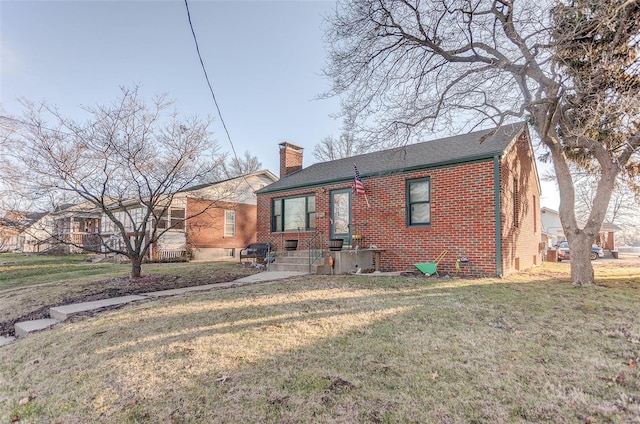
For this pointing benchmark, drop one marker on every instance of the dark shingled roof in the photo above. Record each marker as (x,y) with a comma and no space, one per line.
(445,151)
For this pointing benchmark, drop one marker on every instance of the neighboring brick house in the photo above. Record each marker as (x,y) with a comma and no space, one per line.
(475,196)
(209,221)
(222,231)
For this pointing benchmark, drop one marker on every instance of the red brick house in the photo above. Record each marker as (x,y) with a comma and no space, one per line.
(475,196)
(206,222)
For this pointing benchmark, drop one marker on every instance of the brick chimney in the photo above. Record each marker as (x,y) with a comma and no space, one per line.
(290,158)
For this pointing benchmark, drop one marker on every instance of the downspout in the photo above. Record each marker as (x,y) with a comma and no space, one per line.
(496,193)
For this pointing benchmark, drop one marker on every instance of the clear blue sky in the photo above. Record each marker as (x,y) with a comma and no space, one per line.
(264,59)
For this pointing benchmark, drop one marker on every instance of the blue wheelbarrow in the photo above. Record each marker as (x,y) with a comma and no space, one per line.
(431,268)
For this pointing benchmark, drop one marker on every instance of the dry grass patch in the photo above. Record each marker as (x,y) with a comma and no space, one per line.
(343,349)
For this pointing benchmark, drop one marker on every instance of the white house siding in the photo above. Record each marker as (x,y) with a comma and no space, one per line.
(173,243)
(551,226)
(238,190)
(36,237)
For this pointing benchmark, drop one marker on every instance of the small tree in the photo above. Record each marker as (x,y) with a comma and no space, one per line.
(569,67)
(129,160)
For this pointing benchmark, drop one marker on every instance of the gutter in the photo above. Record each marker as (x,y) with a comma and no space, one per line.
(496,193)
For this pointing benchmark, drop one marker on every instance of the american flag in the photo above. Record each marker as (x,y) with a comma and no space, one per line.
(358,187)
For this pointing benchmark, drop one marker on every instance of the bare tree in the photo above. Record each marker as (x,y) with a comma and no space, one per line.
(16,210)
(8,230)
(344,146)
(129,160)
(245,165)
(406,67)
(8,201)
(7,128)
(624,208)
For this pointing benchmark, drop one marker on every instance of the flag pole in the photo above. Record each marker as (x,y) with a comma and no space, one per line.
(358,186)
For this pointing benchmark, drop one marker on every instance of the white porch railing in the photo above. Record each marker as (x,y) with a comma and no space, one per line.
(172,254)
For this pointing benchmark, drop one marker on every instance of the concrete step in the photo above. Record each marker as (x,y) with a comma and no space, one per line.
(6,340)
(298,258)
(321,269)
(302,268)
(292,256)
(298,261)
(289,267)
(63,312)
(298,253)
(281,253)
(292,260)
(26,327)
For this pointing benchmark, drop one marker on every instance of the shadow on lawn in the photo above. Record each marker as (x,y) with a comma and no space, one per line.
(361,350)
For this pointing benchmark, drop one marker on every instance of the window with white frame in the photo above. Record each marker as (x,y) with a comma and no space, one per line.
(177,218)
(229,223)
(172,218)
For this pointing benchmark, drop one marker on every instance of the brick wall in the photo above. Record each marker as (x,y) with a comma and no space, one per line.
(462,217)
(290,159)
(206,230)
(521,239)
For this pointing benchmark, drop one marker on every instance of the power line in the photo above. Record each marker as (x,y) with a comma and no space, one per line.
(206,76)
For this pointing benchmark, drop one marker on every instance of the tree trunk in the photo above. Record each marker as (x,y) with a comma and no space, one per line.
(580,239)
(136,267)
(581,267)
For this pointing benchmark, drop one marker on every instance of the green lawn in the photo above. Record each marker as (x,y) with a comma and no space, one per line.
(345,349)
(23,270)
(32,283)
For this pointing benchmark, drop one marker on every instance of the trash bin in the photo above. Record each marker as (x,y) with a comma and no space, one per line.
(614,253)
(552,255)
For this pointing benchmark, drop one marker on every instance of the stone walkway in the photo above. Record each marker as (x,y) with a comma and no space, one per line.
(61,313)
